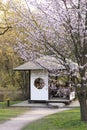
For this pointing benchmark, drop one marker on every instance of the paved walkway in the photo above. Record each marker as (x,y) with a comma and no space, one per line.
(34,114)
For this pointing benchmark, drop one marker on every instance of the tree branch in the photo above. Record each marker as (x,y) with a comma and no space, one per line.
(5,29)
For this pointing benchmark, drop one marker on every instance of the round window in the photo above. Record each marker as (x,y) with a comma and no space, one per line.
(39,83)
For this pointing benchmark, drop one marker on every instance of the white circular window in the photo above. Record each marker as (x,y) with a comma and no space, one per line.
(39,83)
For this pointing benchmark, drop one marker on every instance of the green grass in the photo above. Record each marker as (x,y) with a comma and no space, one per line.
(67,120)
(4,104)
(8,112)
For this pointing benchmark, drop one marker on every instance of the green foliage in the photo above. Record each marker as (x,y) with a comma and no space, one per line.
(8,60)
(9,92)
(67,120)
(8,78)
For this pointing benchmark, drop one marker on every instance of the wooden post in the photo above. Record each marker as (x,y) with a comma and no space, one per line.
(29,85)
(8,103)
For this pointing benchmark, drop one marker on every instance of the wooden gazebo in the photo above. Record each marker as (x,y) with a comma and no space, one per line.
(38,77)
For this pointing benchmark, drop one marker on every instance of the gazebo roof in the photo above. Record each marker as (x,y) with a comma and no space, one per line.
(31,65)
(46,62)
(50,63)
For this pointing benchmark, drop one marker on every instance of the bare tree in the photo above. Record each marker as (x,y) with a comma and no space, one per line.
(61,28)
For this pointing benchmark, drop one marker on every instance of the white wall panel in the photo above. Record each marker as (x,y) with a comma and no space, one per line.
(39,94)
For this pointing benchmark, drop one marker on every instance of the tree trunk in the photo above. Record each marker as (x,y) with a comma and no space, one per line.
(83,105)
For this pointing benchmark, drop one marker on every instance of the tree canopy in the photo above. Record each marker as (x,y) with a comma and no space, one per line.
(59,27)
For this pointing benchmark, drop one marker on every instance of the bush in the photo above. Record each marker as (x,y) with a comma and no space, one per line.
(11,93)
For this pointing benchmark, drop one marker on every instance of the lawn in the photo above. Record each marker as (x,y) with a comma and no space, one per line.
(5,103)
(7,113)
(67,120)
